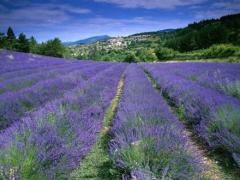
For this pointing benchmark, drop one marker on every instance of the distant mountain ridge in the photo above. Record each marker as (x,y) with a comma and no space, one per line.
(88,40)
(106,37)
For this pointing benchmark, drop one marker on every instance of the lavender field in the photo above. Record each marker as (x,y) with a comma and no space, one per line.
(68,119)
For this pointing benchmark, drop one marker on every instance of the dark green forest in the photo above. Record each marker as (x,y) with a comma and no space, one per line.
(207,39)
(205,34)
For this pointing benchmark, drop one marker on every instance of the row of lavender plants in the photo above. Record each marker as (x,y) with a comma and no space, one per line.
(37,68)
(31,79)
(50,143)
(214,116)
(223,77)
(12,61)
(148,142)
(21,73)
(14,105)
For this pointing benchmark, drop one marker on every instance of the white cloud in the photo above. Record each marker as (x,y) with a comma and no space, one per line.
(230,5)
(218,9)
(152,4)
(209,14)
(70,8)
(39,14)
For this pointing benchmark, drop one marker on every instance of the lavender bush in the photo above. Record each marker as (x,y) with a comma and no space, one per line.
(29,80)
(148,140)
(14,105)
(205,109)
(222,77)
(51,142)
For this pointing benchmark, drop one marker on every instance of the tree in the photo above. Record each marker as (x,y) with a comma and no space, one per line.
(10,34)
(33,45)
(146,54)
(53,48)
(165,53)
(1,36)
(23,43)
(130,57)
(3,40)
(11,39)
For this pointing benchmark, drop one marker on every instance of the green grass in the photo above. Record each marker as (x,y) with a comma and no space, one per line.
(20,161)
(98,164)
(193,78)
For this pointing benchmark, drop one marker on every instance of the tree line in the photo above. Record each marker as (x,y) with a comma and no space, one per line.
(204,34)
(10,41)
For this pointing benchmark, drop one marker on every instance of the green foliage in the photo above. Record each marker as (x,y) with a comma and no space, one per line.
(227,52)
(205,34)
(221,51)
(165,53)
(134,155)
(3,41)
(10,39)
(146,54)
(33,45)
(10,34)
(23,43)
(53,48)
(21,161)
(130,57)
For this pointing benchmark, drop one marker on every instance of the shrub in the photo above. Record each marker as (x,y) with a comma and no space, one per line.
(130,57)
(165,53)
(221,51)
(146,54)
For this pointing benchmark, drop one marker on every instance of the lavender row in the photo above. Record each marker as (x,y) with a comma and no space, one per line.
(29,80)
(40,67)
(14,105)
(214,116)
(19,57)
(37,69)
(222,77)
(12,61)
(148,140)
(58,136)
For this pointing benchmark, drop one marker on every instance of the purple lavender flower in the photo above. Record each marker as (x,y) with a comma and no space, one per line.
(147,136)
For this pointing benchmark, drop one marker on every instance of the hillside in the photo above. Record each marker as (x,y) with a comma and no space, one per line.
(206,33)
(215,38)
(88,40)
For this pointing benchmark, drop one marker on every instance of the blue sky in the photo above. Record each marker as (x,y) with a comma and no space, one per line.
(77,19)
